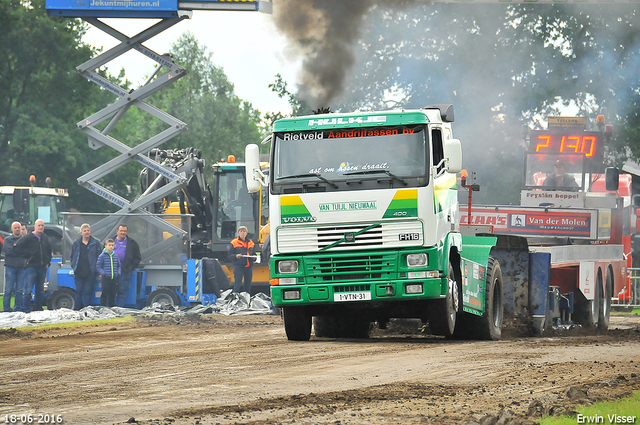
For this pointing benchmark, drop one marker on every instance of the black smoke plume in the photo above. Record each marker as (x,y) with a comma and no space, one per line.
(324,33)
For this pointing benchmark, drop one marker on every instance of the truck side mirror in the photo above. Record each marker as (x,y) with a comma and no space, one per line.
(252,168)
(611,179)
(453,154)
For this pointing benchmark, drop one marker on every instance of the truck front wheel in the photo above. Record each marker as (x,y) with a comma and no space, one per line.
(444,312)
(297,323)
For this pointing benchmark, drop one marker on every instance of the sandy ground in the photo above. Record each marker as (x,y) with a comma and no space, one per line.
(242,369)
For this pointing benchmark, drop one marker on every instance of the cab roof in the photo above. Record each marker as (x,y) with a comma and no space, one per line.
(429,114)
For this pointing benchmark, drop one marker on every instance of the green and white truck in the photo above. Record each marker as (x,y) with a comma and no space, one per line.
(365,226)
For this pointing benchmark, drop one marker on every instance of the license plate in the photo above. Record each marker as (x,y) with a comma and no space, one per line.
(352,296)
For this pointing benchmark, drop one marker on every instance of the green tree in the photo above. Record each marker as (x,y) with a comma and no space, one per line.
(42,98)
(220,123)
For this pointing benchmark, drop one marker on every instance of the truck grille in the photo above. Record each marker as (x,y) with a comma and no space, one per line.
(349,268)
(312,239)
(351,288)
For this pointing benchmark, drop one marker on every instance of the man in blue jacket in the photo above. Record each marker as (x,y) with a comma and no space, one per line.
(84,255)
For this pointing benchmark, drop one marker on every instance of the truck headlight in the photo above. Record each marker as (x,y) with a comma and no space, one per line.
(288,266)
(417,260)
(291,294)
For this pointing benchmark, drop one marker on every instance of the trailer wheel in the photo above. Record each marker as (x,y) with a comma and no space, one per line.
(297,323)
(489,325)
(63,297)
(588,311)
(163,296)
(605,302)
(442,319)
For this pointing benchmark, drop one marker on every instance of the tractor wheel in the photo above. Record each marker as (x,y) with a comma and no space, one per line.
(444,312)
(297,323)
(63,297)
(163,296)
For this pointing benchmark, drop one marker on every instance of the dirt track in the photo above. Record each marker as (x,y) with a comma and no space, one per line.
(223,370)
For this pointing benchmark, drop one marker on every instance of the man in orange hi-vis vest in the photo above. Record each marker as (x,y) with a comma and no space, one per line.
(241,251)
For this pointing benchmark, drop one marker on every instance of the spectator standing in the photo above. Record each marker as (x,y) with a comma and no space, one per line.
(84,256)
(35,249)
(109,269)
(128,253)
(23,229)
(241,251)
(13,267)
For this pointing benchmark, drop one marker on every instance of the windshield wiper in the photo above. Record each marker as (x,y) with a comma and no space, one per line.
(388,173)
(297,176)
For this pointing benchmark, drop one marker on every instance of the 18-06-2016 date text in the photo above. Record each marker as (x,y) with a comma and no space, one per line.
(31,418)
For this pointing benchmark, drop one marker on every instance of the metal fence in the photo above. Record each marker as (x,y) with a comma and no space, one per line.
(629,296)
(164,239)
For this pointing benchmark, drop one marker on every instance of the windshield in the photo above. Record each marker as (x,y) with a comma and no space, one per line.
(235,205)
(555,172)
(395,154)
(48,208)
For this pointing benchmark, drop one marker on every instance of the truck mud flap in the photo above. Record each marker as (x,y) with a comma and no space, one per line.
(514,262)
(526,277)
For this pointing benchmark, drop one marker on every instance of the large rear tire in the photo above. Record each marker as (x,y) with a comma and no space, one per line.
(325,326)
(489,325)
(444,312)
(297,323)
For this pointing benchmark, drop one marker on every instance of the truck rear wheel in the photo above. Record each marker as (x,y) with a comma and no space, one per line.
(297,323)
(325,326)
(489,325)
(442,319)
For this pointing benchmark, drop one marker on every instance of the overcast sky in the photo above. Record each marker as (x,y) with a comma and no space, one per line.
(245,44)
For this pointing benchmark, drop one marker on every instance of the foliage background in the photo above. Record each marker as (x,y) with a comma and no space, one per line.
(502,66)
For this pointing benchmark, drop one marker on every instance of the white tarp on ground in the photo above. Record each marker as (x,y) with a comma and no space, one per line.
(229,303)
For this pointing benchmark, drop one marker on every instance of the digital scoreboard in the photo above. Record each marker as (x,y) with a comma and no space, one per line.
(568,142)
